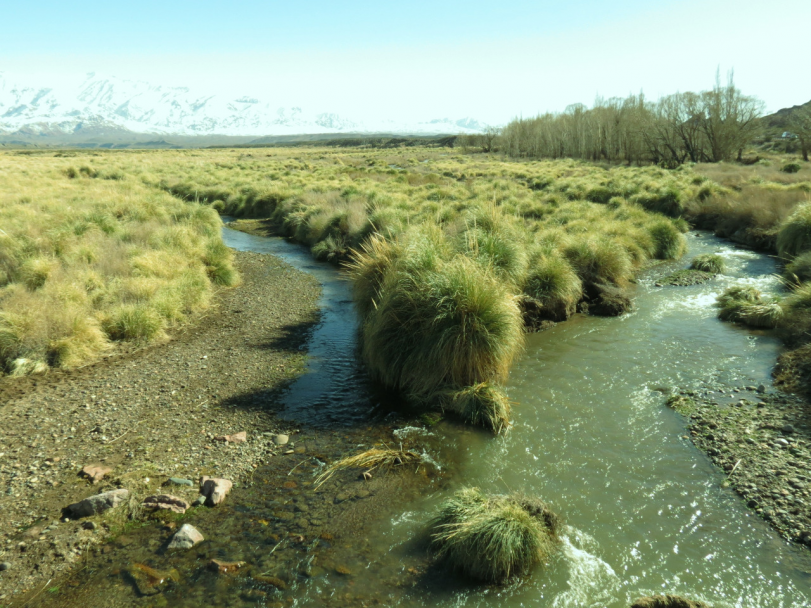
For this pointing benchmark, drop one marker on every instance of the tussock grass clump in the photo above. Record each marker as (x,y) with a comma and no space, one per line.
(599,260)
(667,601)
(440,323)
(492,537)
(669,242)
(708,262)
(793,167)
(376,458)
(552,281)
(799,269)
(482,404)
(794,236)
(746,305)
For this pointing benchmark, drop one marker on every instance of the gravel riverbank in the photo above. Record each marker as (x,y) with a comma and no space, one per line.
(762,440)
(148,415)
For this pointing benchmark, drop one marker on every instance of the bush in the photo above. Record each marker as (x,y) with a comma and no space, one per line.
(794,236)
(492,537)
(792,167)
(708,262)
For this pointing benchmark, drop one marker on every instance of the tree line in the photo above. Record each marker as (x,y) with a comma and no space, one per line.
(709,126)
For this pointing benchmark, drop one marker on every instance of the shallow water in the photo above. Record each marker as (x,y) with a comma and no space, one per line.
(644,510)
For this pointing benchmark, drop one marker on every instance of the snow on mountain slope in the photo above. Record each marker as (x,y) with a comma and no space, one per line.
(108,105)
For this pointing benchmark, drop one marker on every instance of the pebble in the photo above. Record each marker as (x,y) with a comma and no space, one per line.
(5,566)
(281,439)
(787,428)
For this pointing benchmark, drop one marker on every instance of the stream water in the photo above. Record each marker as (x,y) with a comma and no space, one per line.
(645,512)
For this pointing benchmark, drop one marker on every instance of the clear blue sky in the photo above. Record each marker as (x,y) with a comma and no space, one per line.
(491,60)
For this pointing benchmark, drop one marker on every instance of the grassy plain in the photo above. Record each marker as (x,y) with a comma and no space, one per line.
(451,254)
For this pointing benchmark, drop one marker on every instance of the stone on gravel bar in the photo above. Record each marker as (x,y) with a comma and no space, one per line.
(185,538)
(5,566)
(165,502)
(281,439)
(96,472)
(240,437)
(214,489)
(93,505)
(178,481)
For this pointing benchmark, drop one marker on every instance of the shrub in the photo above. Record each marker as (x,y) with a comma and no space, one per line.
(792,167)
(708,262)
(794,236)
(492,537)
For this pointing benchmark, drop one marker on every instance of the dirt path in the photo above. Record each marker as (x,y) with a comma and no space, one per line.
(148,415)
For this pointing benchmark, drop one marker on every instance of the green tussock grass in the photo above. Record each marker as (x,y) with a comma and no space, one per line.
(794,236)
(440,248)
(90,256)
(492,537)
(708,262)
(747,305)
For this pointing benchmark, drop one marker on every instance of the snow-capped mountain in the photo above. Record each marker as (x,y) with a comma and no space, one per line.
(102,106)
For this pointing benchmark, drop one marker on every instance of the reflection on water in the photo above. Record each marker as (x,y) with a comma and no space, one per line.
(645,512)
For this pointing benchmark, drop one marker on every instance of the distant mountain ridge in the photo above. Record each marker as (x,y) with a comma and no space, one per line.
(117,109)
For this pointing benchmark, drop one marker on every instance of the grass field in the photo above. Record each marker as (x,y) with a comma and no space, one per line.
(450,254)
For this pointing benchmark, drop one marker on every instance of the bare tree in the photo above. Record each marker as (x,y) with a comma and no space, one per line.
(800,125)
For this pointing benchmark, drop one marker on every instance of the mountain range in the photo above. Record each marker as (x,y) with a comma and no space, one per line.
(99,108)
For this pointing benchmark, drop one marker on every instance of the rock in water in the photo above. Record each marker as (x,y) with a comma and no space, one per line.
(93,505)
(149,581)
(280,439)
(667,601)
(214,489)
(185,538)
(165,502)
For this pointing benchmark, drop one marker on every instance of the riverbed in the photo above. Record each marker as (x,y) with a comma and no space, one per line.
(645,512)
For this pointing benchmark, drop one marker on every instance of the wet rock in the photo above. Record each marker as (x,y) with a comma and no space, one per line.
(165,502)
(222,567)
(274,581)
(149,581)
(5,566)
(609,301)
(178,481)
(343,570)
(185,538)
(253,595)
(214,489)
(281,439)
(93,505)
(95,472)
(667,601)
(684,278)
(761,388)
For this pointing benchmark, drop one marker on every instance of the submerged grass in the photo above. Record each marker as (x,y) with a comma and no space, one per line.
(376,458)
(492,537)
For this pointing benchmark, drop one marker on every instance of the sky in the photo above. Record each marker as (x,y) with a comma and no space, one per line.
(420,59)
